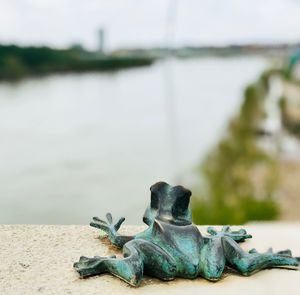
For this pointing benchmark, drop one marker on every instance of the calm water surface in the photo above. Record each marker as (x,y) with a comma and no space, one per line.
(78,145)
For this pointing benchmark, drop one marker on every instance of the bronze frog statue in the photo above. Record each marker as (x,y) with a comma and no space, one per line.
(172,246)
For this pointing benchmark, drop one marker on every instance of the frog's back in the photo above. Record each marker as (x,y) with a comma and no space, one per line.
(182,243)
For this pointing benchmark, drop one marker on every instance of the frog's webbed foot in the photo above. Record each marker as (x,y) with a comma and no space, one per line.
(111,229)
(284,253)
(87,267)
(238,236)
(107,226)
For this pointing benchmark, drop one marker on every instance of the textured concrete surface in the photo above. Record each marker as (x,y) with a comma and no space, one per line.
(37,259)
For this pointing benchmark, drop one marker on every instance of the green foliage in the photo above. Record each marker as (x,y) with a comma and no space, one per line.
(17,62)
(282,103)
(289,123)
(12,68)
(239,178)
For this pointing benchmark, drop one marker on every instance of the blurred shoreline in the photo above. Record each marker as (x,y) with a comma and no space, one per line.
(260,154)
(17,62)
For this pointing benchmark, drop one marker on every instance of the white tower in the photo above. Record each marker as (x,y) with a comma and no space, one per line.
(101,34)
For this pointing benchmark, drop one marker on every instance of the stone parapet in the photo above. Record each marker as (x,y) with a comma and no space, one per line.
(37,259)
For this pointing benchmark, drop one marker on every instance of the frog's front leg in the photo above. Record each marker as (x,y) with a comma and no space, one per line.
(238,235)
(111,229)
(139,256)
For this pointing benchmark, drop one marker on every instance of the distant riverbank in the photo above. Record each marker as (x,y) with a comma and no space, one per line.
(19,62)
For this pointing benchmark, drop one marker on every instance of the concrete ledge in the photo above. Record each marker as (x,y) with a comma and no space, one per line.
(37,259)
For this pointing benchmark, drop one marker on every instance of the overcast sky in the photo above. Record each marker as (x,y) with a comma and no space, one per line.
(143,23)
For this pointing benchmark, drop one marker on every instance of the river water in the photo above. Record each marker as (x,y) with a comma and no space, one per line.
(78,145)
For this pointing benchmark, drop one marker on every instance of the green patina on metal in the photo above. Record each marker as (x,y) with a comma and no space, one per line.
(172,246)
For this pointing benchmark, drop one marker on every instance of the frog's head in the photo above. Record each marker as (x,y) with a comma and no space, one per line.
(169,204)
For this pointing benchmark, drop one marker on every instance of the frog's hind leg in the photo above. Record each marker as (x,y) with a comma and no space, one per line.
(129,269)
(157,262)
(248,263)
(139,256)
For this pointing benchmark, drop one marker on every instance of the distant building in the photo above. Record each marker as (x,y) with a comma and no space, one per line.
(101,36)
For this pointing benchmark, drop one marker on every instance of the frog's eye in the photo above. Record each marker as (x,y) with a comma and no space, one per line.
(157,190)
(154,200)
(159,186)
(182,202)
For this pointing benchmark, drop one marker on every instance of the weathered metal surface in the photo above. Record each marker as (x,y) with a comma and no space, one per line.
(172,246)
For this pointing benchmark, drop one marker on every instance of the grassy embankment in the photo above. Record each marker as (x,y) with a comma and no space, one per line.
(289,102)
(238,178)
(19,62)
